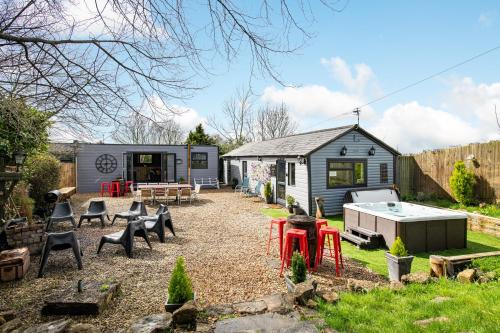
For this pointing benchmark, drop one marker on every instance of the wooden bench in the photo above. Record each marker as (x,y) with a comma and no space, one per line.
(207,182)
(449,266)
(66,193)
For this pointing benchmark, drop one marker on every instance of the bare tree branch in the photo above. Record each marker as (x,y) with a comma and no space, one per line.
(274,121)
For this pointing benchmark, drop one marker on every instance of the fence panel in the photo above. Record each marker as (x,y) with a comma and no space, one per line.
(68,175)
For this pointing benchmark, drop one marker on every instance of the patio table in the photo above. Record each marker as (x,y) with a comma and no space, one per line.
(154,186)
(307,223)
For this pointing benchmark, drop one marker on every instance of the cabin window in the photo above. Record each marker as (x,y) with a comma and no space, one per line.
(345,173)
(244,169)
(384,175)
(199,160)
(291,174)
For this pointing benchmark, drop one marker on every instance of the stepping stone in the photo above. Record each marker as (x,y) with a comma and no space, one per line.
(152,324)
(250,307)
(265,323)
(440,299)
(426,322)
(58,326)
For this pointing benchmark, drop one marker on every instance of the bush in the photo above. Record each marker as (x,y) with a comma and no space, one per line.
(180,289)
(22,201)
(298,268)
(462,183)
(42,172)
(290,200)
(268,191)
(398,248)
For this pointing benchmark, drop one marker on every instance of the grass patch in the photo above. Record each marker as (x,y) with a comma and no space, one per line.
(375,259)
(488,264)
(472,308)
(488,210)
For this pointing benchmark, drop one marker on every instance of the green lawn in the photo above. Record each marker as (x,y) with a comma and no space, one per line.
(375,259)
(471,308)
(488,210)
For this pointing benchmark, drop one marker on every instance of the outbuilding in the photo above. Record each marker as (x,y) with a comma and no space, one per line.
(325,163)
(96,163)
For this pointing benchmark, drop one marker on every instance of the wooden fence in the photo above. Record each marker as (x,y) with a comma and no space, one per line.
(68,175)
(429,171)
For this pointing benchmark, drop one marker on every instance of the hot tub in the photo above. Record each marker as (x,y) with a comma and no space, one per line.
(421,228)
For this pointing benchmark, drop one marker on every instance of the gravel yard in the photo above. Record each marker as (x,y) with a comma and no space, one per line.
(222,237)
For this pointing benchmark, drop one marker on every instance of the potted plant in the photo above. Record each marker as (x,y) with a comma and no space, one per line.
(182,180)
(268,193)
(180,289)
(299,272)
(398,260)
(290,201)
(234,183)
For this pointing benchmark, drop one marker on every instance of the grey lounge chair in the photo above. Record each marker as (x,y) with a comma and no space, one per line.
(96,210)
(62,212)
(255,192)
(57,241)
(125,238)
(137,209)
(167,218)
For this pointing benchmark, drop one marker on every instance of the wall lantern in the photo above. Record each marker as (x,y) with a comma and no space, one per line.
(259,158)
(302,160)
(343,151)
(178,161)
(371,152)
(19,157)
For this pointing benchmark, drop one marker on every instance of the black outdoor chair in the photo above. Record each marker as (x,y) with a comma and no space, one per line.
(62,212)
(137,209)
(126,237)
(96,210)
(163,209)
(57,241)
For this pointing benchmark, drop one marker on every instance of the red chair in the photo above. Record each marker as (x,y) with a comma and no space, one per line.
(320,223)
(323,232)
(280,222)
(128,184)
(301,236)
(105,188)
(115,189)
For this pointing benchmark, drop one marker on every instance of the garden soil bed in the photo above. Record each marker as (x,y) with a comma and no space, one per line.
(222,236)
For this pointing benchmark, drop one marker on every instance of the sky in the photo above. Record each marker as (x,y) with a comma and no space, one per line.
(369,50)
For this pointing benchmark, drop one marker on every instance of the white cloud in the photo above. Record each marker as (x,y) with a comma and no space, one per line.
(486,19)
(186,117)
(412,127)
(357,81)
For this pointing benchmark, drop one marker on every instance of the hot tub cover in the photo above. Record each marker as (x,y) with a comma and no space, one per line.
(372,195)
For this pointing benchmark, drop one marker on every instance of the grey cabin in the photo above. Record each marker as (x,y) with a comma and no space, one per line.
(324,163)
(96,163)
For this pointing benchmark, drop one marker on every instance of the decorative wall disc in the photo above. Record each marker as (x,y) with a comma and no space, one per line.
(106,163)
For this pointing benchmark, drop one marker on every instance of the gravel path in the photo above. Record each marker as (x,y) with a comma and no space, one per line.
(222,237)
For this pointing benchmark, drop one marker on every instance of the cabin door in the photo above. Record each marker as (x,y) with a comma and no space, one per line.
(281,182)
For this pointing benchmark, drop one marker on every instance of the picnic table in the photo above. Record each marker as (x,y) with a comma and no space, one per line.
(167,186)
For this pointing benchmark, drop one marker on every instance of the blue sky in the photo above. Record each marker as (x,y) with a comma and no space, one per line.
(398,42)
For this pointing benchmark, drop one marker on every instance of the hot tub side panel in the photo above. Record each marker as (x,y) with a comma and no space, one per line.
(351,218)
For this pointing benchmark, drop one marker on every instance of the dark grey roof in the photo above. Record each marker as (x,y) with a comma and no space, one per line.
(299,144)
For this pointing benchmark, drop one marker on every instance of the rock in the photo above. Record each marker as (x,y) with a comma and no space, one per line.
(57,326)
(7,315)
(186,315)
(361,285)
(157,323)
(311,304)
(426,322)
(250,307)
(262,323)
(11,325)
(487,277)
(466,276)
(82,328)
(304,291)
(440,299)
(219,310)
(396,285)
(328,296)
(418,277)
(277,303)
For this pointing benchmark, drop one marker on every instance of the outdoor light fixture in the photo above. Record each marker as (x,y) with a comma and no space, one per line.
(19,157)
(259,158)
(343,151)
(302,160)
(178,161)
(371,152)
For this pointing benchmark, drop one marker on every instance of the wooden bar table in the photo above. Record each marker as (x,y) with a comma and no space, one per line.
(307,223)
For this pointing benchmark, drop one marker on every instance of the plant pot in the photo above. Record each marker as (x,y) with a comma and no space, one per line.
(171,307)
(269,200)
(291,208)
(398,266)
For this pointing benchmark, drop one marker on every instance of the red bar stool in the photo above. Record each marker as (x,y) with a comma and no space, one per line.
(301,236)
(280,222)
(128,184)
(323,232)
(105,188)
(320,223)
(115,189)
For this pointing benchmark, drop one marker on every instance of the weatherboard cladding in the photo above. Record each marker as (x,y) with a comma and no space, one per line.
(89,178)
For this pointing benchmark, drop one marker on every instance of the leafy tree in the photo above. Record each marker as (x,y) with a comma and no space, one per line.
(199,137)
(180,289)
(42,172)
(462,183)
